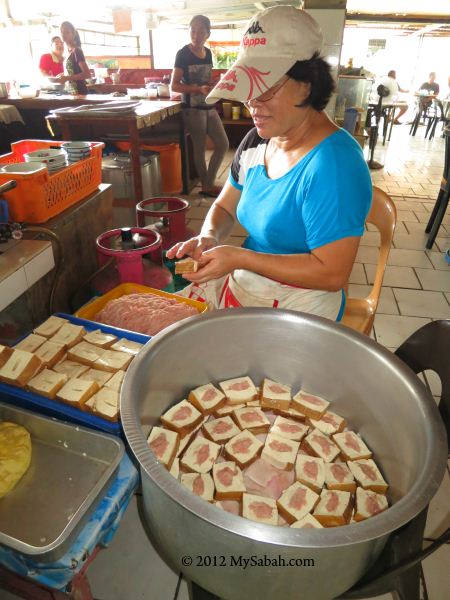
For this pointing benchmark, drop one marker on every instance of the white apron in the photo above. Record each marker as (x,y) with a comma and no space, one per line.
(244,288)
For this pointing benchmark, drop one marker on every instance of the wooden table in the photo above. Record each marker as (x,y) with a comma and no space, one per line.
(143,121)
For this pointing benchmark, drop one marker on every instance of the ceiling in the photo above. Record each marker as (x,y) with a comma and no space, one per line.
(430,17)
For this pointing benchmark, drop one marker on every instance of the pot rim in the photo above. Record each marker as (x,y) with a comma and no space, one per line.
(383,524)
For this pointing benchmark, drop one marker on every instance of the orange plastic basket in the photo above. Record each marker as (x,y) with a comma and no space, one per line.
(40,196)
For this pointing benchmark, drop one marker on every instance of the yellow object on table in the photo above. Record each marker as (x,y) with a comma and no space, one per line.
(90,310)
(15,455)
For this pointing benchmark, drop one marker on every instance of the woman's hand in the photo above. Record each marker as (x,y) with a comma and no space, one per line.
(62,78)
(205,89)
(215,263)
(194,247)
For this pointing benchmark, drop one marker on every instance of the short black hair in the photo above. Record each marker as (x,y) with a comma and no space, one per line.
(317,72)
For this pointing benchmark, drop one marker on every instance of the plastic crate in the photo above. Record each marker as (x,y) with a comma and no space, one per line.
(89,310)
(54,408)
(40,196)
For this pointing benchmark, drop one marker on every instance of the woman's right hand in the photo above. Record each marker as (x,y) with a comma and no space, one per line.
(194,247)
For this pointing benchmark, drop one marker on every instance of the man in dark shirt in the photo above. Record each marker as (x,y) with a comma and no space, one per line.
(431,86)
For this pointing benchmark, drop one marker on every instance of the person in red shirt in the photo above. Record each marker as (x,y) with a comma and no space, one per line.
(51,64)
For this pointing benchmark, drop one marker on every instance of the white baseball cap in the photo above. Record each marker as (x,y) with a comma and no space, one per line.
(274,40)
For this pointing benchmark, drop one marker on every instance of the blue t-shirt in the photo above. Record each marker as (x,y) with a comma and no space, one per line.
(325,197)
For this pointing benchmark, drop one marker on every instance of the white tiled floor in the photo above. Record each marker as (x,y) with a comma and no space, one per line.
(416,290)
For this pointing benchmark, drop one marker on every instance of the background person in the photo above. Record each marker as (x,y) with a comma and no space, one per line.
(76,70)
(51,64)
(389,81)
(428,91)
(191,76)
(298,184)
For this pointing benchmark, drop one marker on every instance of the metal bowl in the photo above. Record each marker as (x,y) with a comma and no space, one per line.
(375,391)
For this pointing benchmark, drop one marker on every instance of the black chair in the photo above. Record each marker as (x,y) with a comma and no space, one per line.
(434,115)
(399,567)
(422,107)
(440,207)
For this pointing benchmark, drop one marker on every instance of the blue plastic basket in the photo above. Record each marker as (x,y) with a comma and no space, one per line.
(54,408)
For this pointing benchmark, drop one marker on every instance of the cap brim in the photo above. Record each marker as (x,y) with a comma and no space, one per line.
(249,78)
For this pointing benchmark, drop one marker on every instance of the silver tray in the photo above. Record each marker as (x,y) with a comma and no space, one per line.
(71,467)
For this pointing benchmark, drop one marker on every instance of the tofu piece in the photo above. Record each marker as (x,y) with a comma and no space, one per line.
(309,405)
(368,475)
(252,419)
(255,403)
(164,445)
(182,418)
(207,398)
(308,522)
(329,423)
(101,377)
(189,436)
(318,444)
(115,383)
(98,338)
(104,404)
(310,471)
(369,504)
(47,383)
(200,456)
(20,368)
(228,480)
(227,409)
(113,361)
(31,343)
(289,429)
(124,345)
(51,326)
(352,445)
(50,354)
(280,452)
(296,502)
(260,509)
(76,392)
(200,484)
(243,448)
(239,390)
(68,335)
(85,353)
(186,265)
(70,368)
(334,508)
(339,477)
(5,353)
(175,468)
(220,430)
(275,395)
(291,413)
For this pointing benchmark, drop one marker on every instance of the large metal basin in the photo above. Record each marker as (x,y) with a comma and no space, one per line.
(378,395)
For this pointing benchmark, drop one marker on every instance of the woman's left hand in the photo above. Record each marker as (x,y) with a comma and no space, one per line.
(216,263)
(62,78)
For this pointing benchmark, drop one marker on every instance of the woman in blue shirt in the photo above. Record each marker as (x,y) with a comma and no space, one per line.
(298,184)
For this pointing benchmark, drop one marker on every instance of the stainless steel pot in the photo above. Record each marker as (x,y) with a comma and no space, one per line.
(118,171)
(377,393)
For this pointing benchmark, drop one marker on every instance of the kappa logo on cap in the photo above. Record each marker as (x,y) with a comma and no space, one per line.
(255,28)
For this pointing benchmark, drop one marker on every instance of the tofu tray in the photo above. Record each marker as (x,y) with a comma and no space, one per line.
(26,399)
(71,467)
